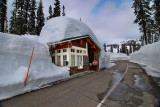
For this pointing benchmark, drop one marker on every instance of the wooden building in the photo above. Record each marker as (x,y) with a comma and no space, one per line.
(79,51)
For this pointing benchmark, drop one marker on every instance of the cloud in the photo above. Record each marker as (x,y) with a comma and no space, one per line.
(112,22)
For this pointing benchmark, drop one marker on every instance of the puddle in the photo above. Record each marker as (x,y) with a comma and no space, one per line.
(120,91)
(140,83)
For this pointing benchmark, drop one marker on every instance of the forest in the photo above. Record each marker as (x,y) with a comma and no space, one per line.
(27,17)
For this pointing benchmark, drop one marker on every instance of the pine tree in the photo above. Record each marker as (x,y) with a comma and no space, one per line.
(111,48)
(123,48)
(130,48)
(27,5)
(118,49)
(105,47)
(40,18)
(156,8)
(50,13)
(12,27)
(57,9)
(3,11)
(6,25)
(63,13)
(20,20)
(142,12)
(32,18)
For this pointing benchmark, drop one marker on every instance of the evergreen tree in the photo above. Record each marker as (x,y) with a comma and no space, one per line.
(27,5)
(156,8)
(57,9)
(50,13)
(40,18)
(32,18)
(6,25)
(63,13)
(130,48)
(3,11)
(20,20)
(143,15)
(118,49)
(111,48)
(12,27)
(105,47)
(123,50)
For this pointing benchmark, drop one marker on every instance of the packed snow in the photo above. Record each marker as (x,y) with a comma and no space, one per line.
(15,54)
(118,56)
(149,57)
(104,59)
(63,27)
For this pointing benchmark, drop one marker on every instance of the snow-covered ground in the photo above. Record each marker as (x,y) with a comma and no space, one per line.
(104,59)
(149,57)
(15,54)
(118,56)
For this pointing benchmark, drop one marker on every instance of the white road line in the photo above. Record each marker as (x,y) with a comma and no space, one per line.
(110,91)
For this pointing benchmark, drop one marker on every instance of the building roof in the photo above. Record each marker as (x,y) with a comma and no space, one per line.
(64,28)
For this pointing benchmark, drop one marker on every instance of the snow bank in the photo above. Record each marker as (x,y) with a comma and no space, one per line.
(104,60)
(118,56)
(149,55)
(15,53)
(63,27)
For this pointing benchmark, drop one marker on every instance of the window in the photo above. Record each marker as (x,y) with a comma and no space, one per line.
(64,50)
(59,60)
(72,50)
(58,51)
(77,51)
(72,60)
(84,52)
(65,60)
(80,51)
(79,60)
(53,51)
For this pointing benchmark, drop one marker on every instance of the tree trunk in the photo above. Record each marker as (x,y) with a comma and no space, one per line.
(3,15)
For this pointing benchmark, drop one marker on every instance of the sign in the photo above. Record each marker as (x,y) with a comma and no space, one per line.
(85,60)
(94,62)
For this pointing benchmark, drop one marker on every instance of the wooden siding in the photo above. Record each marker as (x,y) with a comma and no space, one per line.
(79,43)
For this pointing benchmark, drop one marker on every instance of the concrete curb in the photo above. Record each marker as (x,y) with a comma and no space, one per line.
(66,79)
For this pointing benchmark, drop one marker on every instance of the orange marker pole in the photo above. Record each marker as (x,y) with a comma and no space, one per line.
(29,67)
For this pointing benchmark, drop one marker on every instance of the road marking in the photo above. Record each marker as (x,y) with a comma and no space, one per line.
(110,91)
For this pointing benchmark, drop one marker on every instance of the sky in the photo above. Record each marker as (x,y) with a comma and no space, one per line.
(110,20)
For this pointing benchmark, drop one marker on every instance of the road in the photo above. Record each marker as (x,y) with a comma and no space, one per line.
(89,90)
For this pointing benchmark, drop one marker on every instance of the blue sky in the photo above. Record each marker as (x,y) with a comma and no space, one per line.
(110,20)
(101,3)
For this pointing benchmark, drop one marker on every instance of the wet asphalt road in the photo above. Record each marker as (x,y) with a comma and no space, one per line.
(135,89)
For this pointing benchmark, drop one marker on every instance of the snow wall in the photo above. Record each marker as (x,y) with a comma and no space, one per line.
(15,54)
(149,56)
(104,60)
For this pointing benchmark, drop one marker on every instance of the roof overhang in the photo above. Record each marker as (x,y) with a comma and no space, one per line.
(74,38)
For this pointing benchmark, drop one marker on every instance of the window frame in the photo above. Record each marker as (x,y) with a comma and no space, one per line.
(73,60)
(65,50)
(72,50)
(58,60)
(58,51)
(65,60)
(79,60)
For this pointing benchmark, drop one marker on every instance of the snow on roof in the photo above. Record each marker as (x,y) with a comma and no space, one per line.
(59,28)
